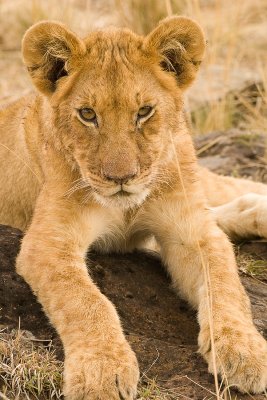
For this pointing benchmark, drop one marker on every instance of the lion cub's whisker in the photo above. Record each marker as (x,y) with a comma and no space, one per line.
(81,184)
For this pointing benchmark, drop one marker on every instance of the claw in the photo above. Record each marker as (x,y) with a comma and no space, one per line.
(118,387)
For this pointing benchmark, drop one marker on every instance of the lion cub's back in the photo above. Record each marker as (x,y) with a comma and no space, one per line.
(18,184)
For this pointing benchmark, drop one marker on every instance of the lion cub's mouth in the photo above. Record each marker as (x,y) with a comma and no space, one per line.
(125,195)
(122,197)
(122,193)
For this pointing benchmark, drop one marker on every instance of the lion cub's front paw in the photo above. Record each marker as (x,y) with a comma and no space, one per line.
(242,360)
(101,375)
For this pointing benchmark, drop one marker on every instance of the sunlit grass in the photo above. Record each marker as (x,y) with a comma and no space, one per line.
(252,267)
(28,370)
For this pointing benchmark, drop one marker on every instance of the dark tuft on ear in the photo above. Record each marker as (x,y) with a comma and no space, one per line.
(180,44)
(47,48)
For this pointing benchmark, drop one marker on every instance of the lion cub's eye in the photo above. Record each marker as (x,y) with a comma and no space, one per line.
(144,112)
(87,115)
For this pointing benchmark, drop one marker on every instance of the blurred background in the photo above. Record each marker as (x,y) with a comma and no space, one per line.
(231,88)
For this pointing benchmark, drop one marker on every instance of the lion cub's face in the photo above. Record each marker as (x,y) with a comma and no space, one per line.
(114,114)
(114,99)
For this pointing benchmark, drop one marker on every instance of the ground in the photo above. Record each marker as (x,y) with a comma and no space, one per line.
(161,327)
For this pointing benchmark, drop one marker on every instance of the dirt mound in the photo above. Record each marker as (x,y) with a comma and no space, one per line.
(161,327)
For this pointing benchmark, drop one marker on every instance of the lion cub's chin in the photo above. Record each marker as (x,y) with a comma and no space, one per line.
(123,200)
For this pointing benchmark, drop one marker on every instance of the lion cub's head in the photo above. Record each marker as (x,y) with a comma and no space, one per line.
(114,98)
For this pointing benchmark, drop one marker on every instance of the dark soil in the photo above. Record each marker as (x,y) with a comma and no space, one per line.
(161,327)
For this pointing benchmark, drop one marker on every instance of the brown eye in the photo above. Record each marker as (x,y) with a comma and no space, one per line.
(87,114)
(144,112)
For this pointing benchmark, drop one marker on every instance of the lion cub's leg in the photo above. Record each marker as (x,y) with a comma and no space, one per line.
(99,363)
(243,217)
(200,260)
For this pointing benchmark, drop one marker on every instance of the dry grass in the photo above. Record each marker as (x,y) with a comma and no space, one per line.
(27,370)
(150,390)
(256,268)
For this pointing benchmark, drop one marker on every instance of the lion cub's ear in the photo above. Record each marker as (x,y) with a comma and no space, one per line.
(46,48)
(180,44)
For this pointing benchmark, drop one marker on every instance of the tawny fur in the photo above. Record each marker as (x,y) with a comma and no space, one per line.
(61,181)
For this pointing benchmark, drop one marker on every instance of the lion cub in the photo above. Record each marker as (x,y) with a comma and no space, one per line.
(104,157)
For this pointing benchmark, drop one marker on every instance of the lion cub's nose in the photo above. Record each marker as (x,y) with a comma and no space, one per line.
(120,179)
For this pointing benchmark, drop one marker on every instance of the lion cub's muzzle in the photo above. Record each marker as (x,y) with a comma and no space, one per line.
(120,181)
(121,189)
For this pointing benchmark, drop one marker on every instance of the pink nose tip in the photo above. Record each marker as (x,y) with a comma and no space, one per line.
(120,179)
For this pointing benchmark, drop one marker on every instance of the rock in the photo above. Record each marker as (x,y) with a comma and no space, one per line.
(235,153)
